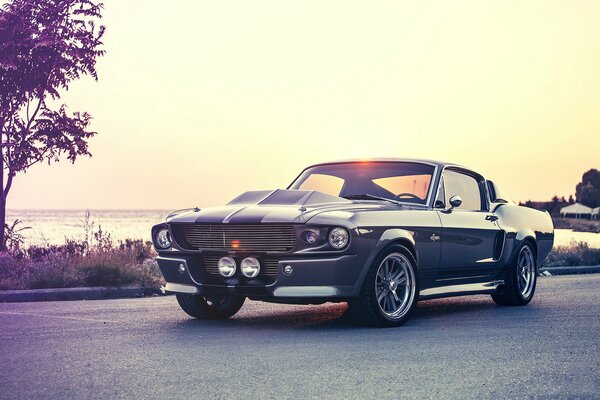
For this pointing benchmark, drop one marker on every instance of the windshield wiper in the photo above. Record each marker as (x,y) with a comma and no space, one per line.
(372,197)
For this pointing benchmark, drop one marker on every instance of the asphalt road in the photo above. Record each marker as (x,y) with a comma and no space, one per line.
(465,347)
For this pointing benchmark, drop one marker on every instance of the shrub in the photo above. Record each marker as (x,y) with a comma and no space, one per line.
(578,253)
(11,271)
(94,261)
(99,274)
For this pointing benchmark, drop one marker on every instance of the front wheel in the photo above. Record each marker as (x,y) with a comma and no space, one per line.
(390,289)
(521,280)
(210,307)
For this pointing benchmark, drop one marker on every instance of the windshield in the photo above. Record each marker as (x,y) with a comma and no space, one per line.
(401,181)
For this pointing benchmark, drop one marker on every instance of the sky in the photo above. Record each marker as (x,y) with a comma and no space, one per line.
(199,101)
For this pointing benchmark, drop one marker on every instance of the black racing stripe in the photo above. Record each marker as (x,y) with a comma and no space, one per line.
(250,215)
(215,215)
(209,219)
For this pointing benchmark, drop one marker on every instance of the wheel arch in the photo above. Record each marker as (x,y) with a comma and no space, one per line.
(388,238)
(526,237)
(410,246)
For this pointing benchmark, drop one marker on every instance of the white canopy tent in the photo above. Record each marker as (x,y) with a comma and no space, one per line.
(576,210)
(596,213)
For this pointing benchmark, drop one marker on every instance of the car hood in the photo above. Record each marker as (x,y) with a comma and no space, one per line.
(276,206)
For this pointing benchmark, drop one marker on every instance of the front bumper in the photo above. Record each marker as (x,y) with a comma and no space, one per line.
(331,276)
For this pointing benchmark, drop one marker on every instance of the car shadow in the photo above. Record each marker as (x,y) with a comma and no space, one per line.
(453,305)
(331,316)
(326,316)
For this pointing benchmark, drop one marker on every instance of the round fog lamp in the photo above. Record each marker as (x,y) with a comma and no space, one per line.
(250,267)
(163,238)
(288,269)
(226,267)
(338,238)
(181,268)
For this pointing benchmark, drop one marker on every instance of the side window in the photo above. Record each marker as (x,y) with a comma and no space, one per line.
(465,186)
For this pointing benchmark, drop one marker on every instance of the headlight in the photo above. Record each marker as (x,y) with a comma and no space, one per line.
(163,238)
(310,236)
(338,238)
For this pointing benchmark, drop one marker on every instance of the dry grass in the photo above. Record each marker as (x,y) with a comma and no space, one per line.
(93,260)
(80,264)
(579,253)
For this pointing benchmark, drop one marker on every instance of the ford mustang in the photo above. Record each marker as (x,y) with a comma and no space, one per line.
(378,234)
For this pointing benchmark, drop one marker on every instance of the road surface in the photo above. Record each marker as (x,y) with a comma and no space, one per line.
(464,347)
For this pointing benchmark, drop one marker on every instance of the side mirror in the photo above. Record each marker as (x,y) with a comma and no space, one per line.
(455,201)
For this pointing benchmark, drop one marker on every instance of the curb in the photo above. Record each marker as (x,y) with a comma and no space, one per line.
(583,269)
(81,293)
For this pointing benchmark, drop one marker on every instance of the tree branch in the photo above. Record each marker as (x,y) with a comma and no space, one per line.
(37,109)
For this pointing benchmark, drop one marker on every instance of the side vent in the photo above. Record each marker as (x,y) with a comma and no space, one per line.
(499,244)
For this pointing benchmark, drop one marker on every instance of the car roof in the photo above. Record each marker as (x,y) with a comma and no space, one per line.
(439,164)
(414,160)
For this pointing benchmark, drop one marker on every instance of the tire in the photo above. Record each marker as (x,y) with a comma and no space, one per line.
(216,307)
(377,305)
(520,283)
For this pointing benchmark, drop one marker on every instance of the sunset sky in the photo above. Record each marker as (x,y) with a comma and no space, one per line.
(199,101)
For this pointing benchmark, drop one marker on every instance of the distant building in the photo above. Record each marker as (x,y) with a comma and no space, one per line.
(596,213)
(576,210)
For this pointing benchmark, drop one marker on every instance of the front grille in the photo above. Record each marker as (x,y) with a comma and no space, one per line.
(268,266)
(264,237)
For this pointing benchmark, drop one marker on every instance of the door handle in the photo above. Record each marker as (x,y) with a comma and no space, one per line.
(491,218)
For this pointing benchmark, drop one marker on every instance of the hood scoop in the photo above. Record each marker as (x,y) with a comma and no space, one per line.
(284,197)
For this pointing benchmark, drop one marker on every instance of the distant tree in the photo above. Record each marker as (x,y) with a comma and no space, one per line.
(571,200)
(588,190)
(44,46)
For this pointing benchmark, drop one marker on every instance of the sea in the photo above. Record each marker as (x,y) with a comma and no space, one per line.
(56,226)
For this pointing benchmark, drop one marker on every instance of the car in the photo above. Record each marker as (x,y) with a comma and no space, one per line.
(379,234)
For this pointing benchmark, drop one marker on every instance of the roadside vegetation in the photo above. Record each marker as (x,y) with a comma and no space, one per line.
(92,260)
(578,253)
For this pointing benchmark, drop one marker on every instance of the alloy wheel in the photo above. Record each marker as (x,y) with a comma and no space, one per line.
(395,285)
(526,271)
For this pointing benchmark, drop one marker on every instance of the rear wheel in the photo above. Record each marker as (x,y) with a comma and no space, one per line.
(390,289)
(520,283)
(210,307)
